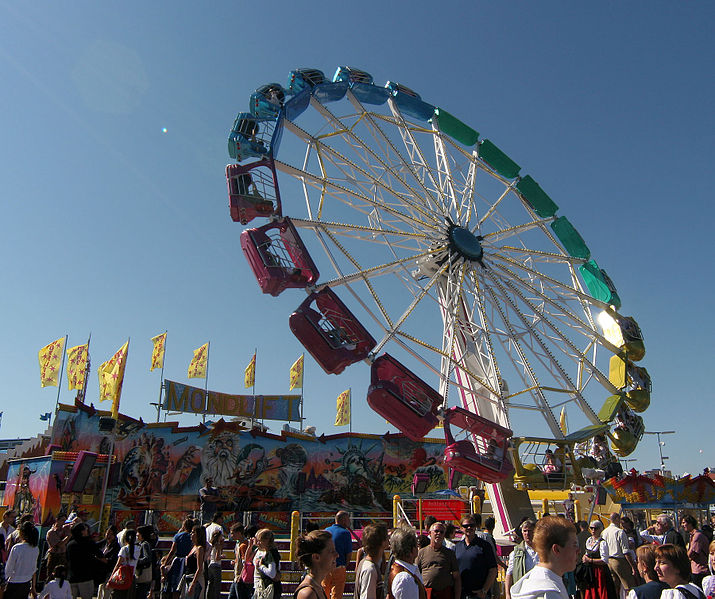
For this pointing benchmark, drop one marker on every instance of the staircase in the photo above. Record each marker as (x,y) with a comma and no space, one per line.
(291,573)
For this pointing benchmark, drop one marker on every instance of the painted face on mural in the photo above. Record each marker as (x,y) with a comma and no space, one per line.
(220,457)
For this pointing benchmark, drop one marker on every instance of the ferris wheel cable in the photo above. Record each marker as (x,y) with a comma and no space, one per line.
(322,147)
(324,183)
(372,121)
(339,125)
(379,270)
(498,201)
(528,372)
(582,359)
(413,148)
(581,400)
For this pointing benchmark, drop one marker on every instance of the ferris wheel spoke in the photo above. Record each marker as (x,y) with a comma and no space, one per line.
(418,158)
(578,356)
(444,173)
(340,161)
(410,309)
(548,257)
(572,292)
(515,230)
(510,188)
(587,329)
(349,135)
(533,383)
(563,375)
(370,119)
(374,271)
(340,192)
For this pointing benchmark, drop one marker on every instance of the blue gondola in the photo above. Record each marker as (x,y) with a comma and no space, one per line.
(301,79)
(267,100)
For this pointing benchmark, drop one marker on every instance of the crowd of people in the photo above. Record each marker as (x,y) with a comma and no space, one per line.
(553,558)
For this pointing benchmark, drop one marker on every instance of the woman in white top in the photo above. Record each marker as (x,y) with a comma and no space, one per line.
(128,556)
(369,579)
(21,566)
(597,557)
(673,568)
(213,585)
(266,576)
(555,542)
(58,588)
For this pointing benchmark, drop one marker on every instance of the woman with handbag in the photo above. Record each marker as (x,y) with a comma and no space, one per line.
(109,548)
(266,578)
(122,579)
(213,586)
(600,583)
(193,583)
(143,573)
(21,566)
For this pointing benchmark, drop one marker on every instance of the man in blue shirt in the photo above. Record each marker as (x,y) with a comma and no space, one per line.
(334,583)
(477,562)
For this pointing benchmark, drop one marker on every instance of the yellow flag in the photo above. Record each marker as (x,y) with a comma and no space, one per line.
(249,378)
(296,374)
(562,421)
(342,415)
(157,354)
(50,358)
(77,366)
(197,368)
(111,378)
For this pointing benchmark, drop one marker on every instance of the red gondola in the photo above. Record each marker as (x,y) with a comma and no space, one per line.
(330,332)
(402,398)
(278,257)
(253,190)
(493,464)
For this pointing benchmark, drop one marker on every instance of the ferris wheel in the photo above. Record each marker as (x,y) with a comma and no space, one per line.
(425,252)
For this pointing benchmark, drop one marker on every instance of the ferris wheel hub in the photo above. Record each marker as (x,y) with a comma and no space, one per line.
(465,243)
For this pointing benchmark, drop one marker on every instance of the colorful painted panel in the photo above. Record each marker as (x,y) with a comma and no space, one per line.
(164,466)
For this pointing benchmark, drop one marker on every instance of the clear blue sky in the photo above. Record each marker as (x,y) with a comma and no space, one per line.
(111,226)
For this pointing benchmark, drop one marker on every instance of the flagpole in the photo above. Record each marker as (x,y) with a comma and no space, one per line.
(59,382)
(206,379)
(161,386)
(350,410)
(302,386)
(255,367)
(83,391)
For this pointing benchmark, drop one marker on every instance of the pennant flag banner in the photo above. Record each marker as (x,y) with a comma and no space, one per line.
(342,416)
(111,378)
(50,358)
(77,366)
(157,354)
(184,398)
(197,368)
(296,374)
(46,416)
(249,378)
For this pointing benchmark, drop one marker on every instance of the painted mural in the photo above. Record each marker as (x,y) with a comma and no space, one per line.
(163,466)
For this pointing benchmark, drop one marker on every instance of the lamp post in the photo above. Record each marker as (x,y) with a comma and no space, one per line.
(660,447)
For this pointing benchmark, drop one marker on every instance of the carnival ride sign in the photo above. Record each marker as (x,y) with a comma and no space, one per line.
(185,398)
